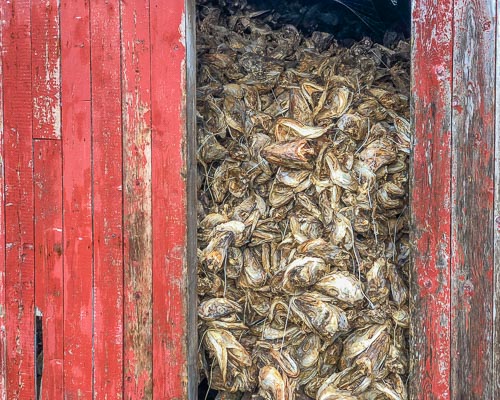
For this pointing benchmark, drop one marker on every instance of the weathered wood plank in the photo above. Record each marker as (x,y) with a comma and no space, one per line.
(46,86)
(169,200)
(136,103)
(192,203)
(496,282)
(48,261)
(45,59)
(3,339)
(430,198)
(19,235)
(77,199)
(472,199)
(171,288)
(107,192)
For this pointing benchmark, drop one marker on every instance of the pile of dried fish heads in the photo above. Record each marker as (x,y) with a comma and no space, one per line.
(303,228)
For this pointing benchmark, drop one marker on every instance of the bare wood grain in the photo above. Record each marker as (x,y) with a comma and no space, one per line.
(496,282)
(192,201)
(136,109)
(472,198)
(46,69)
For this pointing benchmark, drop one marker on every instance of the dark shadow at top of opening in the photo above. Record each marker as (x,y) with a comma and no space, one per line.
(347,20)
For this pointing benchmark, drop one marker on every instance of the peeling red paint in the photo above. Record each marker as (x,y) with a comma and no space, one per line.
(431,198)
(17,160)
(107,200)
(458,108)
(169,200)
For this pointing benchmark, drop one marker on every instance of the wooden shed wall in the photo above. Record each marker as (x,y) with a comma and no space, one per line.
(97,197)
(455,200)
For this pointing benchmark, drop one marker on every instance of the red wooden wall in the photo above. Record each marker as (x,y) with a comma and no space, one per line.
(96,198)
(97,217)
(456,200)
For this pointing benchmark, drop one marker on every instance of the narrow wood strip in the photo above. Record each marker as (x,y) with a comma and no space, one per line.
(48,261)
(192,203)
(136,103)
(168,105)
(77,199)
(107,207)
(46,86)
(496,282)
(19,235)
(430,198)
(473,197)
(45,59)
(3,338)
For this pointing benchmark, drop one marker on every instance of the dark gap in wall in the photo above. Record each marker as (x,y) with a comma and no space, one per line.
(38,351)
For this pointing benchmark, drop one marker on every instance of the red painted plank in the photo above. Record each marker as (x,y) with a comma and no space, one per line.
(19,278)
(473,199)
(496,283)
(48,261)
(77,202)
(431,195)
(168,57)
(3,339)
(136,89)
(107,189)
(45,59)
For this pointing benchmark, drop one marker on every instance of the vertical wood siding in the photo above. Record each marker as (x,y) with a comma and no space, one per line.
(496,281)
(431,198)
(47,154)
(77,199)
(18,186)
(48,261)
(169,203)
(107,199)
(3,339)
(473,198)
(93,199)
(136,103)
(454,197)
(97,217)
